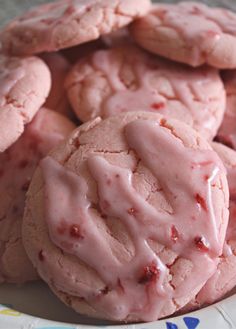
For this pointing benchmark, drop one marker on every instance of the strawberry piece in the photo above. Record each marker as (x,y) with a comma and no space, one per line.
(150,274)
(201,244)
(201,201)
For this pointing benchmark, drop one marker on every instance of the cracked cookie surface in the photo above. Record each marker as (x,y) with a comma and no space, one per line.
(189,32)
(24,86)
(122,79)
(67,23)
(106,223)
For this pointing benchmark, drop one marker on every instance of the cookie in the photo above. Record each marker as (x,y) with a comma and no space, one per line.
(106,223)
(117,80)
(227,131)
(66,23)
(24,85)
(17,165)
(189,32)
(224,279)
(59,68)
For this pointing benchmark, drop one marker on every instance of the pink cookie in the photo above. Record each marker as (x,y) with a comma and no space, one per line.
(224,279)
(24,86)
(57,98)
(17,165)
(66,23)
(106,222)
(124,79)
(227,131)
(189,32)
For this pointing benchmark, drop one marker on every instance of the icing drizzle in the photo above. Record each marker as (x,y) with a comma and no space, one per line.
(182,173)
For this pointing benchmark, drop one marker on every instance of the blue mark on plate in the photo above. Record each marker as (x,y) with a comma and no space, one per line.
(191,323)
(170,325)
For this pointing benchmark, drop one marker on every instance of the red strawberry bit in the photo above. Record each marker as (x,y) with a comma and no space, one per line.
(1,172)
(206,177)
(150,274)
(75,232)
(41,256)
(132,211)
(201,244)
(163,122)
(105,290)
(174,234)
(201,201)
(23,164)
(158,106)
(117,176)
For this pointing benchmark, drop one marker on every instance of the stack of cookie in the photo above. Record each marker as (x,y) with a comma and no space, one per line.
(132,215)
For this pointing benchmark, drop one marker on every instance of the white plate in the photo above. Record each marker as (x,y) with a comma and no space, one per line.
(44,311)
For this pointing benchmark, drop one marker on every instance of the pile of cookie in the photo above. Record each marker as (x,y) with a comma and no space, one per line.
(131,214)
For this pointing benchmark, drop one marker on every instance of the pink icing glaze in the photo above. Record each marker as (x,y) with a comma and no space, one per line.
(17,166)
(189,88)
(191,231)
(200,25)
(224,278)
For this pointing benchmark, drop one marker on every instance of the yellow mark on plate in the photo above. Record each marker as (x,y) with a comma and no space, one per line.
(10,312)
